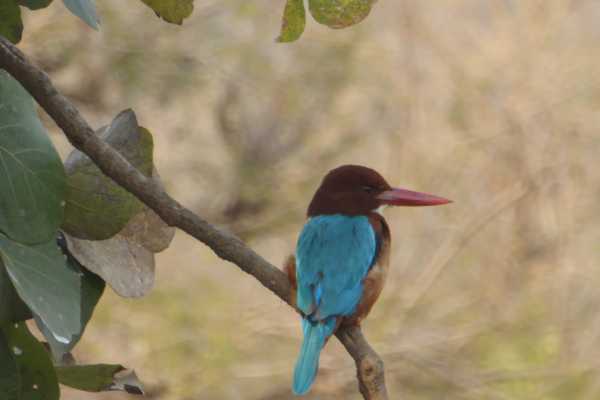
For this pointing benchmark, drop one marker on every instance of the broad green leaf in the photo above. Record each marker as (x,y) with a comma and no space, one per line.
(97,208)
(293,21)
(339,13)
(11,26)
(38,379)
(99,378)
(125,265)
(92,287)
(91,378)
(10,380)
(173,11)
(12,308)
(32,177)
(84,9)
(35,4)
(46,284)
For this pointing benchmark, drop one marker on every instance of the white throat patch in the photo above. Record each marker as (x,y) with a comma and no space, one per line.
(379,210)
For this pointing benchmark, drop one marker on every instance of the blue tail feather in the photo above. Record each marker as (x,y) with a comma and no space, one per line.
(315,334)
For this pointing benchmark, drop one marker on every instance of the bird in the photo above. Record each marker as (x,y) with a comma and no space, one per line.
(341,259)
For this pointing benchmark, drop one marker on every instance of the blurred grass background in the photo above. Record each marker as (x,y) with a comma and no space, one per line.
(492,104)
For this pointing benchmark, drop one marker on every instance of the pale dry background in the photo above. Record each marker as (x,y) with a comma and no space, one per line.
(494,104)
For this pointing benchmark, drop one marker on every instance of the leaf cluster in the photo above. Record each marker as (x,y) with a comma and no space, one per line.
(11,24)
(65,230)
(332,13)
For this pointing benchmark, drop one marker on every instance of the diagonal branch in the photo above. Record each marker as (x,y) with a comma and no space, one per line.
(370,371)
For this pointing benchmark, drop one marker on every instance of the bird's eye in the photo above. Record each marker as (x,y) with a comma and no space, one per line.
(368,189)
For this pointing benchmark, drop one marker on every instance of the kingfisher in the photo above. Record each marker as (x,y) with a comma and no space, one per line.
(342,255)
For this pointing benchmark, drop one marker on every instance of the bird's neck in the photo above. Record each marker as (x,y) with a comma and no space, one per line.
(380,226)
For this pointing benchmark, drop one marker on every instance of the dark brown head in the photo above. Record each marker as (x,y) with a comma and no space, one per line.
(358,190)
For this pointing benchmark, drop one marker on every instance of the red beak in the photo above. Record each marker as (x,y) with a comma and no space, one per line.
(403,197)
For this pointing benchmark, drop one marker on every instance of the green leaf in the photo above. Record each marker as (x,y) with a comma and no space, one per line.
(92,287)
(35,4)
(10,380)
(38,379)
(97,208)
(173,11)
(12,308)
(340,13)
(32,177)
(91,378)
(99,378)
(11,26)
(293,21)
(46,284)
(84,9)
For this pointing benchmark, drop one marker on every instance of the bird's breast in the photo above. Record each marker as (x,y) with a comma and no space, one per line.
(375,279)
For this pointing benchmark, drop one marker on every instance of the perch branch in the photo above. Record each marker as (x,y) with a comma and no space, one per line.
(369,365)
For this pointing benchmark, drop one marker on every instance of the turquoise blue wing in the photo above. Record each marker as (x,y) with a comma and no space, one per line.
(333,256)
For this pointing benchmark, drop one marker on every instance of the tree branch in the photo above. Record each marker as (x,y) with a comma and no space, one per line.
(369,365)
